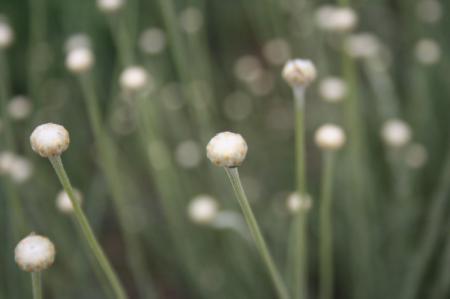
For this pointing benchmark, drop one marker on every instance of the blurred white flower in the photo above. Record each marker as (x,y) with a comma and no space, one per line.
(19,107)
(6,34)
(396,133)
(248,68)
(332,89)
(429,11)
(296,203)
(152,41)
(203,209)
(362,45)
(63,202)
(299,72)
(110,6)
(336,19)
(191,20)
(277,51)
(330,137)
(428,51)
(188,154)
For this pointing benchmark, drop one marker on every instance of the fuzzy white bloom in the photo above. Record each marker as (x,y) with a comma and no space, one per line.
(416,155)
(428,51)
(49,140)
(21,170)
(227,149)
(332,89)
(248,68)
(396,133)
(429,11)
(35,253)
(79,60)
(19,107)
(336,19)
(203,209)
(6,162)
(152,41)
(296,203)
(78,40)
(134,78)
(299,72)
(63,202)
(277,51)
(188,154)
(362,45)
(110,6)
(6,35)
(330,137)
(191,20)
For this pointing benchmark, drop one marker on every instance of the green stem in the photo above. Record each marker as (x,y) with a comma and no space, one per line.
(87,230)
(298,254)
(260,243)
(325,228)
(36,281)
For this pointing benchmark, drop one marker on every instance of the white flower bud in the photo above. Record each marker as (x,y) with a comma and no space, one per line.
(6,35)
(152,41)
(396,133)
(63,202)
(227,149)
(333,89)
(49,140)
(296,203)
(19,107)
(299,72)
(79,60)
(110,6)
(134,78)
(428,51)
(35,253)
(330,137)
(203,209)
(362,45)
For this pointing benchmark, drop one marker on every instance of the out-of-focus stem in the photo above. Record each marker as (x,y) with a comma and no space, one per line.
(326,229)
(87,230)
(36,282)
(260,243)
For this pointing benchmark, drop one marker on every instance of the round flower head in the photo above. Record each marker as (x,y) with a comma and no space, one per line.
(110,6)
(333,89)
(396,133)
(79,60)
(35,253)
(203,209)
(19,107)
(63,202)
(134,78)
(296,203)
(299,72)
(227,149)
(49,140)
(330,137)
(6,35)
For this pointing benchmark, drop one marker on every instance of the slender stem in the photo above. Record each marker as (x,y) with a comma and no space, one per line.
(260,243)
(87,230)
(298,254)
(36,281)
(325,228)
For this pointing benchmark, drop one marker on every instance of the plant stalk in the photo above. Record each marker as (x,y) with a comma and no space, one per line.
(36,282)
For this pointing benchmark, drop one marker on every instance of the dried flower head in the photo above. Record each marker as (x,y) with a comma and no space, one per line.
(227,149)
(49,140)
(134,78)
(396,133)
(35,253)
(296,203)
(203,209)
(79,60)
(333,89)
(63,202)
(6,35)
(330,137)
(299,72)
(110,6)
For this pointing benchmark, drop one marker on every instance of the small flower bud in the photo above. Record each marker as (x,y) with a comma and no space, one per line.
(6,35)
(333,89)
(35,253)
(227,149)
(296,203)
(19,107)
(79,60)
(203,209)
(134,78)
(330,137)
(396,133)
(110,6)
(49,140)
(299,72)
(63,202)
